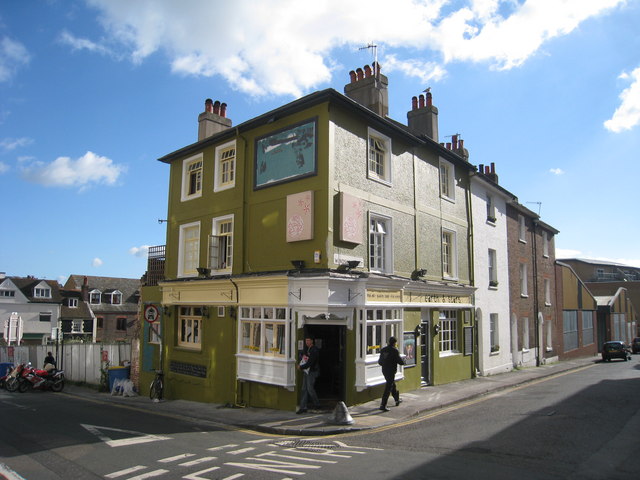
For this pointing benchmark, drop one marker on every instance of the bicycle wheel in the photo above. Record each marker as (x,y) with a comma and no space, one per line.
(155,391)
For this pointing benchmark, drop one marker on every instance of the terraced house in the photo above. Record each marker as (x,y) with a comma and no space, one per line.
(323,217)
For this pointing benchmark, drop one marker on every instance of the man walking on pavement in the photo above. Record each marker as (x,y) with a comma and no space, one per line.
(389,360)
(311,369)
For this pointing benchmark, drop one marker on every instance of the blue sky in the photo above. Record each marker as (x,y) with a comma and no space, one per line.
(93,92)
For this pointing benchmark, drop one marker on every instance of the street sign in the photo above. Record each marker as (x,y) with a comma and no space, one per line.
(151,313)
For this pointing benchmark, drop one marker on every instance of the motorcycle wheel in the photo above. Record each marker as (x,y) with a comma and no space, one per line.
(57,386)
(12,384)
(23,386)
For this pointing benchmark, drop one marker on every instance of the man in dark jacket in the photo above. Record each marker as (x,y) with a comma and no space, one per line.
(311,369)
(389,360)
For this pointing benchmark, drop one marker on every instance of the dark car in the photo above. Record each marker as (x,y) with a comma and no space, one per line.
(615,349)
(635,345)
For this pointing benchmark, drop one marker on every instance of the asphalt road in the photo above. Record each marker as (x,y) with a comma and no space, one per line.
(580,425)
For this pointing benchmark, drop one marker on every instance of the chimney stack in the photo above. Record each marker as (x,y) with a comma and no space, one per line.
(423,116)
(213,120)
(369,88)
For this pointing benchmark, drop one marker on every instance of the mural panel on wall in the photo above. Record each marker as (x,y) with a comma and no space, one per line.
(286,155)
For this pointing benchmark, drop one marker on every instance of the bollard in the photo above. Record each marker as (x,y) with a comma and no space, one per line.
(341,415)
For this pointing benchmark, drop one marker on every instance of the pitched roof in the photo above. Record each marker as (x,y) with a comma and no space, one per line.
(129,287)
(27,285)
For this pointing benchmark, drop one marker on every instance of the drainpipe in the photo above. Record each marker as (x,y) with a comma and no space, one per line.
(535,292)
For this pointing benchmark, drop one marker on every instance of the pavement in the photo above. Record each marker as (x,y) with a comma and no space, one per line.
(426,400)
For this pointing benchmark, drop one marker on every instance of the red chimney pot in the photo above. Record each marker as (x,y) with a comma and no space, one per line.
(223,109)
(359,73)
(429,99)
(208,105)
(414,103)
(352,75)
(367,71)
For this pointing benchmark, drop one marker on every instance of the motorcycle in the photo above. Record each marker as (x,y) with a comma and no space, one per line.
(14,378)
(42,379)
(3,379)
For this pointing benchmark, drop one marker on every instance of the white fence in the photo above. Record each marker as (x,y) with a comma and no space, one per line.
(81,362)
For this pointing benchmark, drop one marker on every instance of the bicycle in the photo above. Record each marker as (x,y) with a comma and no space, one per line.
(157,387)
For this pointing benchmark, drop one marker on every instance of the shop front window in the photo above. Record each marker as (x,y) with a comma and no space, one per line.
(381,324)
(263,330)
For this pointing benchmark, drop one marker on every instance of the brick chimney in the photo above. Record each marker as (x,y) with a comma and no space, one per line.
(423,116)
(489,172)
(84,290)
(369,88)
(213,120)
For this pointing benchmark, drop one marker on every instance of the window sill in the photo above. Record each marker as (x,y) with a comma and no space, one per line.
(375,178)
(524,295)
(450,354)
(547,304)
(493,287)
(522,240)
(184,348)
(448,199)
(495,353)
(222,188)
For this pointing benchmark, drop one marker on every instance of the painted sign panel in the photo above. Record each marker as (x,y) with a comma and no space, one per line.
(384,296)
(300,216)
(351,218)
(286,155)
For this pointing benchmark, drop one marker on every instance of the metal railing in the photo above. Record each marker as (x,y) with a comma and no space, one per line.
(155,265)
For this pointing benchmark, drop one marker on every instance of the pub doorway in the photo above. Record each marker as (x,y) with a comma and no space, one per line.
(330,340)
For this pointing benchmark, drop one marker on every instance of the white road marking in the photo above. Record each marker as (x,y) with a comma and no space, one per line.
(197,461)
(122,473)
(196,475)
(155,473)
(242,450)
(139,438)
(222,447)
(177,457)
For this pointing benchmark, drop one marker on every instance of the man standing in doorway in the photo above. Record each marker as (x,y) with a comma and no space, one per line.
(311,369)
(389,360)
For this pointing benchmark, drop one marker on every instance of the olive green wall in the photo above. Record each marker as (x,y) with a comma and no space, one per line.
(452,368)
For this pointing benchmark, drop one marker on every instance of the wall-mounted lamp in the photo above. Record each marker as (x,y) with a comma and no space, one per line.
(298,264)
(349,265)
(416,274)
(166,310)
(203,271)
(233,312)
(436,328)
(205,311)
(161,221)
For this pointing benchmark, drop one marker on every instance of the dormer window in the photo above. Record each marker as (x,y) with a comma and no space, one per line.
(73,303)
(116,298)
(95,297)
(42,293)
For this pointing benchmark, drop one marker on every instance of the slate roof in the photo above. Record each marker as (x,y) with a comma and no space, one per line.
(27,284)
(129,287)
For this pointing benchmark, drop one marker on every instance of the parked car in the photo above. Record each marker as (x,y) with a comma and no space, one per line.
(635,345)
(615,349)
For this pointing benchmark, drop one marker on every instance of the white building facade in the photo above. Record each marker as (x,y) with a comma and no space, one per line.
(491,272)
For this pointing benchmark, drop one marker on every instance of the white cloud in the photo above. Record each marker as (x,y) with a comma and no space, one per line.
(280,47)
(7,144)
(66,172)
(13,55)
(627,115)
(556,171)
(77,43)
(3,168)
(425,71)
(96,262)
(142,251)
(483,34)
(567,253)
